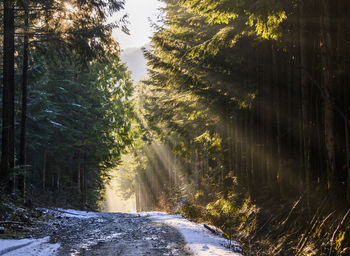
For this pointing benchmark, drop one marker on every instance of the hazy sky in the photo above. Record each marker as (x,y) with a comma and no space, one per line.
(139,11)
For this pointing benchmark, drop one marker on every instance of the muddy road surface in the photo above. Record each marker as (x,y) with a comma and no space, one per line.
(111,234)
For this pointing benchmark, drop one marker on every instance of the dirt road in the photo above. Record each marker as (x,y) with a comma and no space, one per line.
(113,234)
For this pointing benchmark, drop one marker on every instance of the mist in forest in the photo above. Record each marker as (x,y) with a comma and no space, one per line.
(114,202)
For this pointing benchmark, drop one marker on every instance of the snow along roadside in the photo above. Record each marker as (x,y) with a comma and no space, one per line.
(70,213)
(28,247)
(200,241)
(40,247)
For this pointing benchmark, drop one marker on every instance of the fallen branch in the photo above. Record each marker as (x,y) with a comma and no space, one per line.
(291,211)
(305,237)
(336,231)
(261,228)
(213,230)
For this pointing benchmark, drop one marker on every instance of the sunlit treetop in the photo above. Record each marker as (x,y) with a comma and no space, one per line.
(78,25)
(104,7)
(263,16)
(215,11)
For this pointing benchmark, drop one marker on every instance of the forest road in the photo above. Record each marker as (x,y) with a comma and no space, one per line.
(114,234)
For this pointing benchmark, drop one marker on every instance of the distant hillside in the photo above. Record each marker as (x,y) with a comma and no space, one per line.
(136,62)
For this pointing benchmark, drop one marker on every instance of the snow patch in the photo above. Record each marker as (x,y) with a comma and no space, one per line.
(78,105)
(199,240)
(56,124)
(28,247)
(70,213)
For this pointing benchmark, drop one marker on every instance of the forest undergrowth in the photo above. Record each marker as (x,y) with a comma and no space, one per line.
(272,226)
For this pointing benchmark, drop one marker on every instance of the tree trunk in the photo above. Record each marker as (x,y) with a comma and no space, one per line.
(305,96)
(328,91)
(196,168)
(137,193)
(271,123)
(44,171)
(83,185)
(12,96)
(79,172)
(22,150)
(347,147)
(238,152)
(7,156)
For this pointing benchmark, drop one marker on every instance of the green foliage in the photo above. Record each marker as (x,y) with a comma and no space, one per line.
(79,108)
(265,16)
(192,211)
(268,28)
(78,114)
(233,112)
